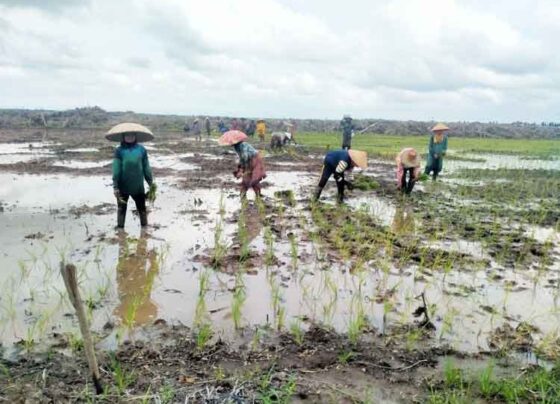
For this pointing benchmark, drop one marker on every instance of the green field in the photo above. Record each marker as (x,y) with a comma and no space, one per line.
(388,146)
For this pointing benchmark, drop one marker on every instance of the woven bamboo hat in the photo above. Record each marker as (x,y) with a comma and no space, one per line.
(409,157)
(439,126)
(142,133)
(358,157)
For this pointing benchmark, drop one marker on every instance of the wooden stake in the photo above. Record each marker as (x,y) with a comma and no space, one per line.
(68,272)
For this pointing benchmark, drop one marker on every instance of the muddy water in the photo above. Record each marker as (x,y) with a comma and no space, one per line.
(134,277)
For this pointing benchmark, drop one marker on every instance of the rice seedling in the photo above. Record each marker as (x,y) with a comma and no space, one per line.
(296,330)
(239,297)
(242,234)
(270,254)
(203,334)
(293,250)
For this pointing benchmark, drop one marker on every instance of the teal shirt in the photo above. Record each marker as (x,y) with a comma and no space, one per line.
(131,168)
(436,148)
(246,152)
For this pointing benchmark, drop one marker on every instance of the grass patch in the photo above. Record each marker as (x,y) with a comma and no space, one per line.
(387,146)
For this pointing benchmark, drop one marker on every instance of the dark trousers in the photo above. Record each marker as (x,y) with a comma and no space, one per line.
(339,178)
(140,201)
(407,185)
(435,168)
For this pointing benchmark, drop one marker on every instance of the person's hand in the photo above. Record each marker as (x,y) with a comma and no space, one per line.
(349,185)
(116,193)
(436,156)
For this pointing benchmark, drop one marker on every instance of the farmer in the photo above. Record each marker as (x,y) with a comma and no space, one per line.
(251,128)
(436,150)
(261,129)
(280,139)
(251,164)
(207,126)
(197,132)
(347,131)
(336,163)
(130,168)
(222,126)
(408,165)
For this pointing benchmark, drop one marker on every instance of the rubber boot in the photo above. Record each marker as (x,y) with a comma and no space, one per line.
(121,215)
(143,218)
(257,190)
(340,195)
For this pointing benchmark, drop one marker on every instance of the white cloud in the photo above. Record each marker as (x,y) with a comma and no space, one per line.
(407,59)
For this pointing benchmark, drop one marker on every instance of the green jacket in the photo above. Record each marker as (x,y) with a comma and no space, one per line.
(130,168)
(436,148)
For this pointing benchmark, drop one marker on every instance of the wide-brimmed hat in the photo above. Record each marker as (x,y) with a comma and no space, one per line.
(143,134)
(358,157)
(409,157)
(439,126)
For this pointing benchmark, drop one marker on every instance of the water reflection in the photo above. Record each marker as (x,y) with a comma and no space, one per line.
(136,271)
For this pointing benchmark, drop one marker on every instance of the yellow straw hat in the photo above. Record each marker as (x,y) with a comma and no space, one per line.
(439,126)
(358,157)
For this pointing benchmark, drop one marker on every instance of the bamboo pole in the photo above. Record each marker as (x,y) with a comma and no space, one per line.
(68,272)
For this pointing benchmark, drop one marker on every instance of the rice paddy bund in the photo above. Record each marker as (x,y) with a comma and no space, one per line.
(448,294)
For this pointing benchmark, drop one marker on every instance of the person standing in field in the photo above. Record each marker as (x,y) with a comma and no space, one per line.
(261,129)
(197,132)
(130,168)
(336,163)
(347,131)
(408,165)
(222,126)
(436,150)
(207,126)
(251,128)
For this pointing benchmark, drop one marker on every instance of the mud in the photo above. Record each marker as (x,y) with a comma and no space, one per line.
(319,294)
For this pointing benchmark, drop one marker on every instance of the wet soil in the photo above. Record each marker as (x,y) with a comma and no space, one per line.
(318,268)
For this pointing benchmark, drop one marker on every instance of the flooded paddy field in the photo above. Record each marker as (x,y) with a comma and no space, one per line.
(387,298)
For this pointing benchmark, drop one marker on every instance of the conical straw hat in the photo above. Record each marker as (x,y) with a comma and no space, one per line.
(142,133)
(358,157)
(439,126)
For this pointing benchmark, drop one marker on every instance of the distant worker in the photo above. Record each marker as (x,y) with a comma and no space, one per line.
(222,126)
(280,139)
(251,128)
(261,129)
(207,126)
(130,168)
(197,132)
(408,169)
(251,164)
(234,124)
(436,150)
(336,163)
(347,131)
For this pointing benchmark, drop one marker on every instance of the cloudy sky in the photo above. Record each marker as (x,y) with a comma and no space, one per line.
(402,59)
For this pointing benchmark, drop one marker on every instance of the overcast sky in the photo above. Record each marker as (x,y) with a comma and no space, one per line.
(445,60)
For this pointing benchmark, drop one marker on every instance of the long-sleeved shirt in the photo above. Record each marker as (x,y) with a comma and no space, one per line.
(246,152)
(338,161)
(130,168)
